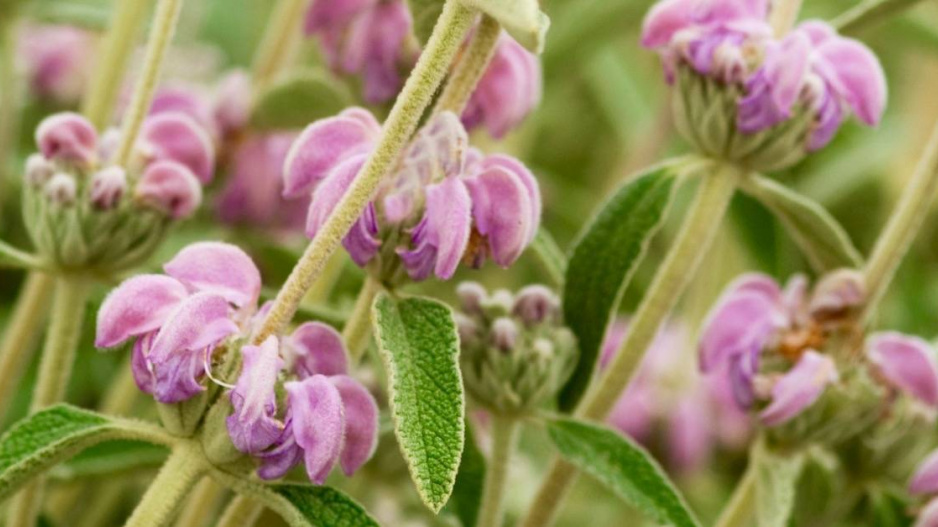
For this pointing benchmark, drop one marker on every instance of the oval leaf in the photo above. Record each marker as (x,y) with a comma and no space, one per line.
(522,19)
(624,467)
(298,100)
(419,343)
(55,434)
(602,264)
(823,241)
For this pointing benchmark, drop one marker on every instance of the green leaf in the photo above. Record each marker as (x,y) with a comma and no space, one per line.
(467,493)
(111,458)
(776,484)
(602,264)
(522,19)
(888,508)
(298,100)
(419,343)
(822,240)
(55,434)
(550,256)
(624,467)
(425,13)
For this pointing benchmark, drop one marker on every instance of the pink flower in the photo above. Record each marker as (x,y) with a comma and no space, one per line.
(59,61)
(925,479)
(799,388)
(907,363)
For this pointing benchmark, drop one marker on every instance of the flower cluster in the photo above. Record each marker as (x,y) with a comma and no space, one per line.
(750,97)
(446,202)
(82,210)
(515,351)
(772,343)
(194,317)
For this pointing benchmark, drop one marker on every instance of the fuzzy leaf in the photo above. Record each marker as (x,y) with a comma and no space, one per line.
(822,240)
(602,264)
(419,343)
(776,484)
(425,13)
(467,493)
(522,19)
(111,458)
(298,100)
(624,467)
(55,434)
(319,506)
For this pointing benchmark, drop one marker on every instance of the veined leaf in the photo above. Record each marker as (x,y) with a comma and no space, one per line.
(419,343)
(467,493)
(522,19)
(298,100)
(602,264)
(624,467)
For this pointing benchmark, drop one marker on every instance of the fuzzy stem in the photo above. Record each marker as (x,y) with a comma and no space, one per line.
(783,16)
(21,334)
(115,50)
(430,70)
(9,96)
(280,35)
(357,328)
(471,67)
(200,504)
(505,431)
(240,512)
(863,14)
(175,480)
(58,355)
(161,35)
(697,233)
(738,511)
(906,221)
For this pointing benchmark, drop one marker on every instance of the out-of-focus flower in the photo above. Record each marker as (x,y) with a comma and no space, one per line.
(58,62)
(907,363)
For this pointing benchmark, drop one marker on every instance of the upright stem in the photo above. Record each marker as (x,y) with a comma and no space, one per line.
(241,512)
(280,35)
(697,233)
(739,510)
(58,355)
(471,67)
(9,96)
(861,15)
(175,480)
(909,215)
(504,440)
(418,91)
(357,328)
(114,53)
(161,35)
(21,334)
(200,504)
(783,16)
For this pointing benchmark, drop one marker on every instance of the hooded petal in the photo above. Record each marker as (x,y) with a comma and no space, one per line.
(187,101)
(799,388)
(375,48)
(502,212)
(361,423)
(328,14)
(232,108)
(773,90)
(219,268)
(671,16)
(741,322)
(139,305)
(856,75)
(69,137)
(170,188)
(442,236)
(318,423)
(316,349)
(177,137)
(925,479)
(330,192)
(362,242)
(325,144)
(253,426)
(928,516)
(907,362)
(276,462)
(520,171)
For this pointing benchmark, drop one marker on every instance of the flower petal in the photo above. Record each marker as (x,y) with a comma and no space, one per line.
(907,362)
(361,423)
(328,14)
(502,212)
(219,268)
(741,322)
(925,479)
(318,423)
(520,171)
(170,188)
(857,76)
(252,426)
(139,305)
(69,137)
(442,236)
(177,137)
(316,349)
(799,388)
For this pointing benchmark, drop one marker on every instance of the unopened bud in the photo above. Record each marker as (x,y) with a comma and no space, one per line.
(535,304)
(838,295)
(504,334)
(171,188)
(38,170)
(107,187)
(471,295)
(61,189)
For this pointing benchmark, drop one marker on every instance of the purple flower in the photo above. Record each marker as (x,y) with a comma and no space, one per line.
(232,106)
(799,388)
(186,100)
(907,363)
(252,426)
(170,188)
(58,61)
(69,138)
(177,320)
(925,479)
(177,137)
(364,37)
(508,90)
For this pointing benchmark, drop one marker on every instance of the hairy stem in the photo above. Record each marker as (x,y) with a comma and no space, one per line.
(280,37)
(471,67)
(161,35)
(418,91)
(739,510)
(21,333)
(357,328)
(240,512)
(200,504)
(10,91)
(114,54)
(697,233)
(865,13)
(505,431)
(175,480)
(903,226)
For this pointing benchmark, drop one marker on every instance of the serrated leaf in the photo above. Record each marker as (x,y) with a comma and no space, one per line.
(111,458)
(624,467)
(424,13)
(419,344)
(602,264)
(823,241)
(776,484)
(522,19)
(467,492)
(299,99)
(55,434)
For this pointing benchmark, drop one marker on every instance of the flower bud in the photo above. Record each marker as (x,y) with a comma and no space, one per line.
(504,334)
(837,296)
(233,102)
(174,136)
(61,189)
(38,170)
(170,188)
(925,479)
(535,304)
(108,187)
(471,295)
(67,137)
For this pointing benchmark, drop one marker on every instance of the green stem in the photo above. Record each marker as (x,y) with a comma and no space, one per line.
(505,431)
(471,66)
(280,35)
(9,96)
(357,328)
(200,504)
(161,35)
(21,334)
(122,393)
(182,470)
(863,14)
(783,16)
(114,54)
(240,512)
(555,488)
(418,91)
(697,233)
(739,510)
(906,221)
